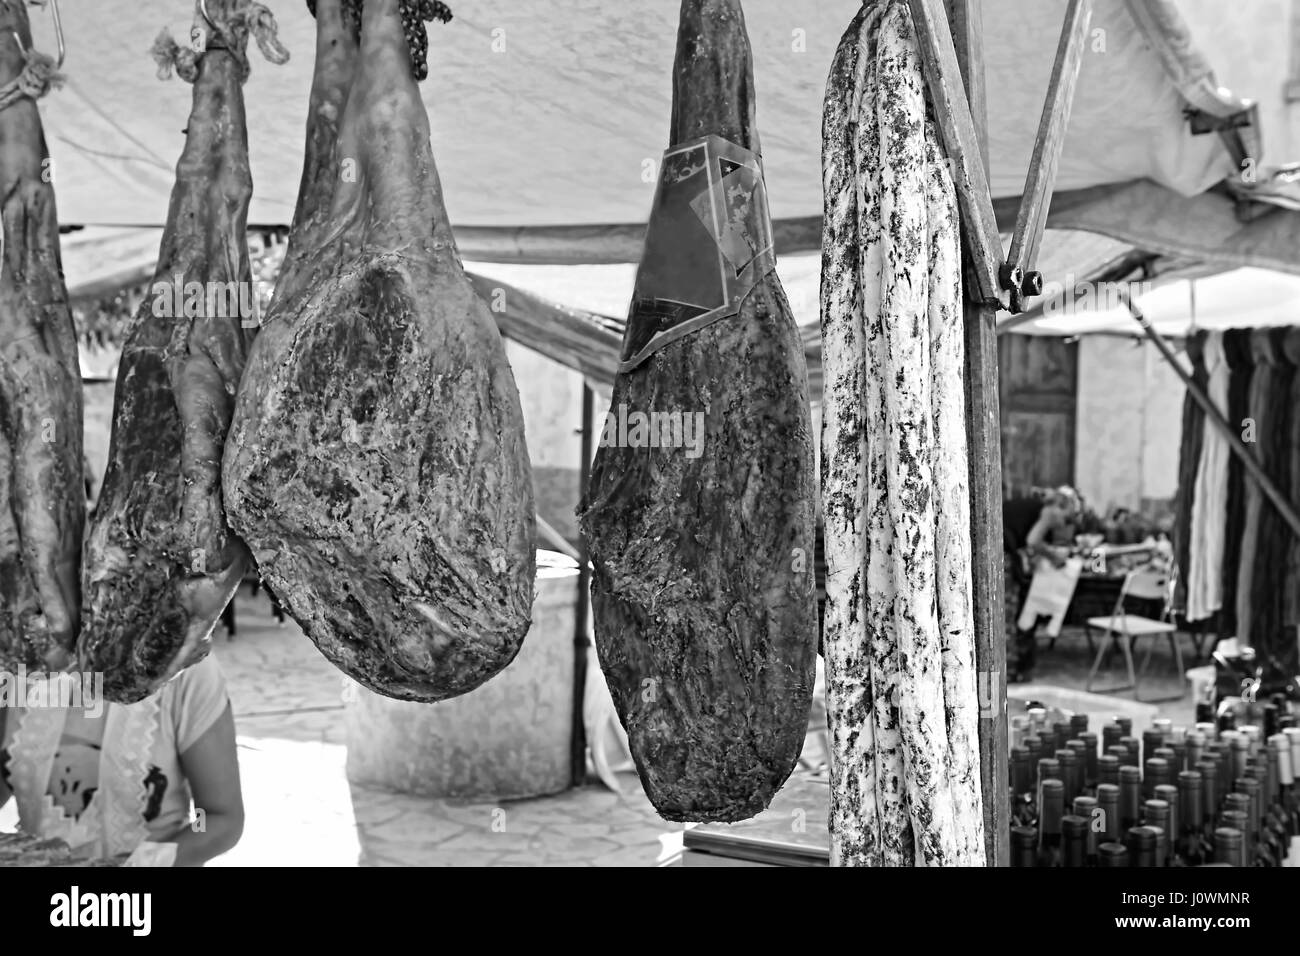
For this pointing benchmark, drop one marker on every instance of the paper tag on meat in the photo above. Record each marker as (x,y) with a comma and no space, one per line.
(708,244)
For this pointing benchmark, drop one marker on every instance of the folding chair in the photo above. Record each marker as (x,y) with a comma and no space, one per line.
(1124,628)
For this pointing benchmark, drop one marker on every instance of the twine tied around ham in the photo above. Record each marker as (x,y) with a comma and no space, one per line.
(248,19)
(39,76)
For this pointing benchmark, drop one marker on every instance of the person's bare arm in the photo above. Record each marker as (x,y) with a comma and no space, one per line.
(212,769)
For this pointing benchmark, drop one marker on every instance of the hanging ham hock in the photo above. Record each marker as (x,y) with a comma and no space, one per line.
(161,562)
(703,590)
(377,464)
(42,496)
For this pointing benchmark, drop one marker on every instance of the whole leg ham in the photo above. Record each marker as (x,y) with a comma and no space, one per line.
(42,495)
(703,591)
(161,562)
(377,464)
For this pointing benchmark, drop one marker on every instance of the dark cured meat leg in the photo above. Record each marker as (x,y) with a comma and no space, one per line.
(377,464)
(42,496)
(705,615)
(336,63)
(161,563)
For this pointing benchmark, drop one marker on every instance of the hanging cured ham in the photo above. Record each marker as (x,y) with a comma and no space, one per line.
(905,783)
(42,498)
(700,511)
(161,562)
(377,464)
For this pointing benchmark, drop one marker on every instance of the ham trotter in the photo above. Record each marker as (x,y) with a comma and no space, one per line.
(377,464)
(161,562)
(703,543)
(42,496)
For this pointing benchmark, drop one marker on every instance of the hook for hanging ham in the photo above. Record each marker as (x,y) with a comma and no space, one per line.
(203,9)
(58,33)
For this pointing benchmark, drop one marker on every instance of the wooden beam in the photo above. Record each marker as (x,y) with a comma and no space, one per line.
(1216,418)
(962,134)
(1041,179)
(600,244)
(984,449)
(583,341)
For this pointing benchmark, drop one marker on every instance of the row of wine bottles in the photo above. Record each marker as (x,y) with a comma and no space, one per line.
(1222,793)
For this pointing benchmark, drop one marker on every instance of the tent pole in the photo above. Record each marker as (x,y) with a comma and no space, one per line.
(984,441)
(1216,418)
(578,746)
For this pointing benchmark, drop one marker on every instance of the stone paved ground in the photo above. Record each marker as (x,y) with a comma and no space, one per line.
(301,809)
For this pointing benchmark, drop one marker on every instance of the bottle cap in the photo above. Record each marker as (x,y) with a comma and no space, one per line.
(1108,768)
(1189,797)
(1074,826)
(1049,767)
(1155,813)
(1157,771)
(1125,724)
(1130,775)
(1207,729)
(1083,807)
(1078,723)
(1165,753)
(1238,801)
(1163,725)
(1112,854)
(1280,749)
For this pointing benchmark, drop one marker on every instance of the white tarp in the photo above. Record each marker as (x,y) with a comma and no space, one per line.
(1241,298)
(548,113)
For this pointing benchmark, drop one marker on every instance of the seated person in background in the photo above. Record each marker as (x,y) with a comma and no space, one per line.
(1030,525)
(111,779)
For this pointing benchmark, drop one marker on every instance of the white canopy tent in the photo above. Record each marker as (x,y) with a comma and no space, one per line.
(548,119)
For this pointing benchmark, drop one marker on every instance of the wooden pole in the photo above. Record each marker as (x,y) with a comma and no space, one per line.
(1215,416)
(984,442)
(578,751)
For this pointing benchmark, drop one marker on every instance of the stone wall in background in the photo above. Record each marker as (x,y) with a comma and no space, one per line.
(1128,425)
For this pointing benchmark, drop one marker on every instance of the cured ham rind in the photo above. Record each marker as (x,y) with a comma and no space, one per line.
(377,463)
(161,562)
(702,593)
(894,460)
(42,494)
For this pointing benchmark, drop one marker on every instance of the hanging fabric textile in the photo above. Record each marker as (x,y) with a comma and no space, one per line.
(1257,433)
(1290,591)
(1189,457)
(1236,348)
(1204,570)
(1272,536)
(905,785)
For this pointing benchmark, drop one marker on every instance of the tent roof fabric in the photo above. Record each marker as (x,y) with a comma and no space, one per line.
(547,114)
(1240,298)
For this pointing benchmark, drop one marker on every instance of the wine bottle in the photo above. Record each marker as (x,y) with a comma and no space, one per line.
(1061,730)
(1108,805)
(1074,840)
(1070,772)
(1108,770)
(1130,784)
(1240,820)
(1152,740)
(1051,805)
(1155,815)
(1141,842)
(1157,774)
(1133,748)
(1229,845)
(1168,793)
(1089,760)
(1125,724)
(1110,734)
(1024,846)
(1086,807)
(1192,843)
